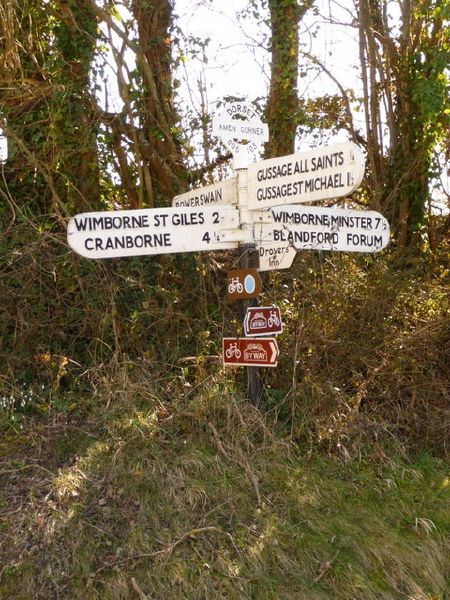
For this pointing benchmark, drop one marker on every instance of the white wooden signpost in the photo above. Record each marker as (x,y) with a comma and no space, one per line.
(150,231)
(320,228)
(265,206)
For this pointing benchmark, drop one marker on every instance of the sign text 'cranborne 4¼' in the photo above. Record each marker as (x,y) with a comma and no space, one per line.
(319,174)
(150,231)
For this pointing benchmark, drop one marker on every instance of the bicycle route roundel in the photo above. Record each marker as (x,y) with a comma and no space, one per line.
(243,284)
(249,284)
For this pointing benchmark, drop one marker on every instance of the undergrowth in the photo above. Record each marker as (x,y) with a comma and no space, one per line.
(204,498)
(364,351)
(132,466)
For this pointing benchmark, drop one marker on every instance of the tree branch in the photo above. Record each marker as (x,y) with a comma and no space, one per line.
(356,135)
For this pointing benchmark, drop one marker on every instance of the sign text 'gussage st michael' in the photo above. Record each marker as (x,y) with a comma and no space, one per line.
(318,174)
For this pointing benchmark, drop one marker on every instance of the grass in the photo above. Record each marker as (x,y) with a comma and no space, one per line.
(206,499)
(130,471)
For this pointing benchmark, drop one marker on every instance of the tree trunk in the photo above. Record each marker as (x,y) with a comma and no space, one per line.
(76,38)
(406,73)
(282,111)
(159,144)
(52,133)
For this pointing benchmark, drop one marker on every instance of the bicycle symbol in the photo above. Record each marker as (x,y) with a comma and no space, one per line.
(235,286)
(233,350)
(273,320)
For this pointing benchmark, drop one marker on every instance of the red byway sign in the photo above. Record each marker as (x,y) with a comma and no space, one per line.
(263,320)
(248,352)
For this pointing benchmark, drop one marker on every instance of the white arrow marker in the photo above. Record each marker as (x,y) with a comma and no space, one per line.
(275,352)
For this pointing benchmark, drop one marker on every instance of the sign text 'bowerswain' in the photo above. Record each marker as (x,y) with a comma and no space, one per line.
(149,231)
(223,192)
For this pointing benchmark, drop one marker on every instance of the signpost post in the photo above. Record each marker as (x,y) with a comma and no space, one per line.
(242,131)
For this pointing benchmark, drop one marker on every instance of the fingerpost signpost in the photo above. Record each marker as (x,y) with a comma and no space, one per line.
(241,130)
(263,210)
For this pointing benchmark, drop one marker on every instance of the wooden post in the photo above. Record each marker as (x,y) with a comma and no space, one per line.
(254,381)
(248,259)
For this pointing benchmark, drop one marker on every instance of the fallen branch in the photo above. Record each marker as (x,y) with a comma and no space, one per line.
(168,550)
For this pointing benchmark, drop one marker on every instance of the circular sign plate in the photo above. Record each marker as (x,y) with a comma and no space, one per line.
(240,129)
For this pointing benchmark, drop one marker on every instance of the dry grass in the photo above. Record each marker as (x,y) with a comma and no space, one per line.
(204,498)
(365,353)
(140,475)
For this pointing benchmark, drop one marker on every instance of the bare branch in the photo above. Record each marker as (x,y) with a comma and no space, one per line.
(356,135)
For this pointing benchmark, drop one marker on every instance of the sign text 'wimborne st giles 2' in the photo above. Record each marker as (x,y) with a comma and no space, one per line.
(153,231)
